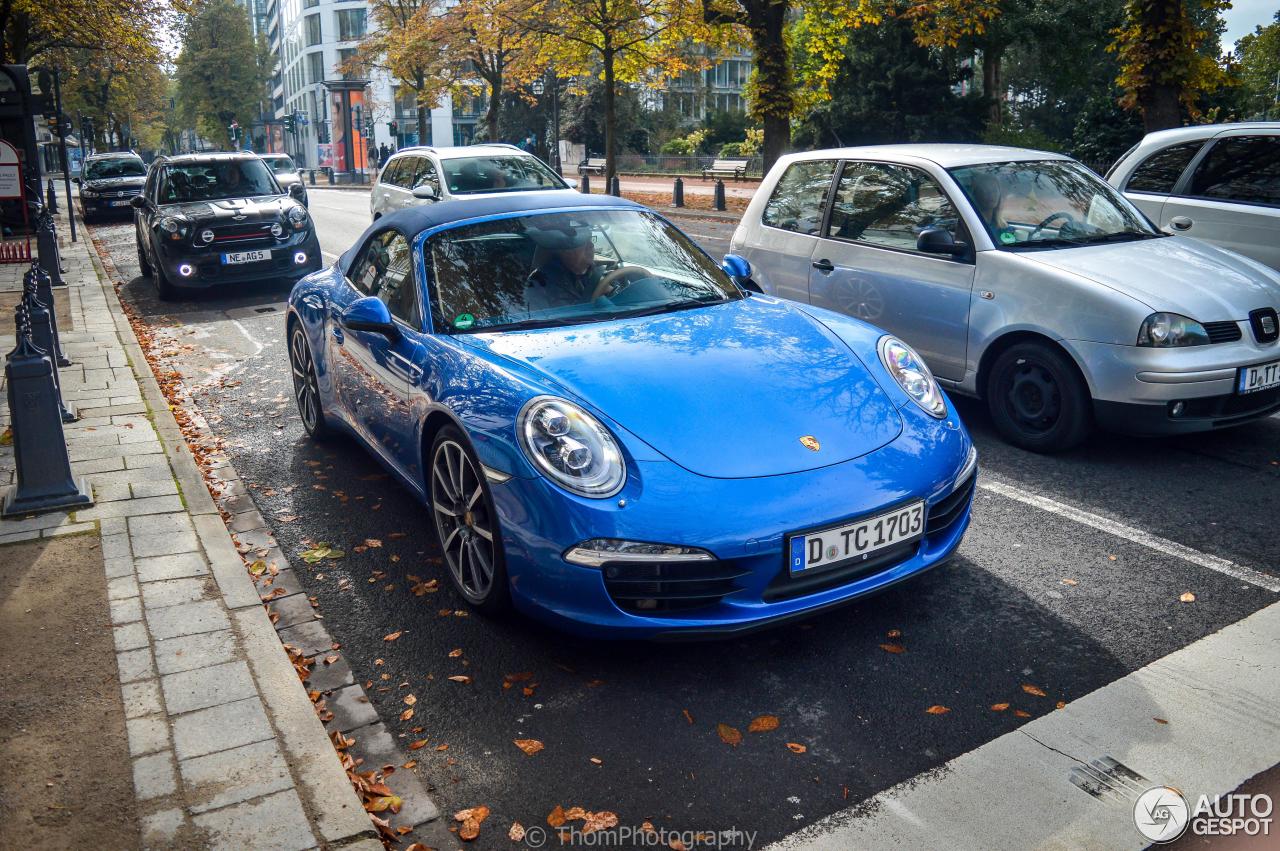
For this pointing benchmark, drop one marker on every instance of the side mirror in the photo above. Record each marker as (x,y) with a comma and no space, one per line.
(739,269)
(296,191)
(138,202)
(425,192)
(573,184)
(939,241)
(370,314)
(76,181)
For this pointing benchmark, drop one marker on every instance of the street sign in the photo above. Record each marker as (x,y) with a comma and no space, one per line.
(10,172)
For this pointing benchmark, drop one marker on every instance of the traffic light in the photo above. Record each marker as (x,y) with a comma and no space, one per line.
(290,125)
(395,128)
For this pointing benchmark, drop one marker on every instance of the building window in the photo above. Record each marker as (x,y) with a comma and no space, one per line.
(310,4)
(351,24)
(312,25)
(315,67)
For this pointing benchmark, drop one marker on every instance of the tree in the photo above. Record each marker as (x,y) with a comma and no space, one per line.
(404,42)
(1163,69)
(218,69)
(32,28)
(620,41)
(122,96)
(1258,55)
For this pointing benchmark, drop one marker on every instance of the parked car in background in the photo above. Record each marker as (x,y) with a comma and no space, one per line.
(1023,278)
(612,433)
(109,182)
(207,219)
(1216,182)
(425,175)
(286,173)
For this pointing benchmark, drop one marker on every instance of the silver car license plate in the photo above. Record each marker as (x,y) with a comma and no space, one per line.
(856,540)
(246,256)
(1263,376)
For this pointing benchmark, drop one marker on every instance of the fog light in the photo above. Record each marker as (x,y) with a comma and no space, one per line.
(276,230)
(1177,409)
(599,551)
(186,270)
(300,257)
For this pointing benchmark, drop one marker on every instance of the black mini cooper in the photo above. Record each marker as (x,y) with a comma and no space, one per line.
(208,219)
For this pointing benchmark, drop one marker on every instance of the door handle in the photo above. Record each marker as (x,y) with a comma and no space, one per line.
(337,335)
(824,266)
(1181,223)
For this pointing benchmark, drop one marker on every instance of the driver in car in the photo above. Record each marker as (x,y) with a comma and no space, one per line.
(564,270)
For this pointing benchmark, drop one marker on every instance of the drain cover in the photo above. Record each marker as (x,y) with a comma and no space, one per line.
(1110,780)
(264,310)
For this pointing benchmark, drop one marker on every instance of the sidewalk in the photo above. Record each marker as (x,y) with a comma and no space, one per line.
(225,747)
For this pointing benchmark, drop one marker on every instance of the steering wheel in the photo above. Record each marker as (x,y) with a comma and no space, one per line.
(1070,221)
(612,283)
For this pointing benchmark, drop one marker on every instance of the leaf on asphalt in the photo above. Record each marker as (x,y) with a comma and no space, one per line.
(1070,582)
(460,678)
(1021,714)
(384,803)
(6,437)
(518,678)
(729,735)
(763,724)
(516,833)
(894,633)
(1061,704)
(392,636)
(406,715)
(258,568)
(687,716)
(410,700)
(1188,597)
(418,745)
(319,553)
(796,747)
(677,845)
(999,707)
(556,816)
(478,813)
(1158,720)
(575,813)
(595,760)
(329,660)
(893,648)
(529,746)
(418,846)
(1030,689)
(937,709)
(454,654)
(602,820)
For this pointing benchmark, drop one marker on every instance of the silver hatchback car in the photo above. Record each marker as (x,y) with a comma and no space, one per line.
(1024,279)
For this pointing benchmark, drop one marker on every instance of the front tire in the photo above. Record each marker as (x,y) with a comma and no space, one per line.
(466,523)
(144,267)
(306,387)
(1037,399)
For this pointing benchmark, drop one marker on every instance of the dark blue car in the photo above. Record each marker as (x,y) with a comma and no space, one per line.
(619,436)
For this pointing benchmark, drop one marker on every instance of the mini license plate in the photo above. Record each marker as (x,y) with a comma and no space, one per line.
(856,540)
(1264,376)
(246,256)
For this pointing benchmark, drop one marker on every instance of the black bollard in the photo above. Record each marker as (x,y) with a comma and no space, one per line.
(677,193)
(40,319)
(330,171)
(44,481)
(53,197)
(313,177)
(719,196)
(47,246)
(586,184)
(615,188)
(44,292)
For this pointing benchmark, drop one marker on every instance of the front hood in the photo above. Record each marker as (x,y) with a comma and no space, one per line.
(1174,274)
(233,210)
(725,391)
(112,184)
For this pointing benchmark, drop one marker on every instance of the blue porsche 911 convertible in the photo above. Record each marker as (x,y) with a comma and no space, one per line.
(613,433)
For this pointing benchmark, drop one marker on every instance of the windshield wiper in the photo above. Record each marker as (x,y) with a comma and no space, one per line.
(669,307)
(1122,236)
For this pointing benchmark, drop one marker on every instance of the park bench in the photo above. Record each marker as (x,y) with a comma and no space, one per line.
(593,164)
(737,169)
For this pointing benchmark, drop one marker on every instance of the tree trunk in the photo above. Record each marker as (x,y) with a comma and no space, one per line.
(424,123)
(1161,108)
(610,121)
(993,85)
(495,104)
(775,92)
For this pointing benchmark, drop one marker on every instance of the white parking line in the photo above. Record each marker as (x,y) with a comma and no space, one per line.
(1137,536)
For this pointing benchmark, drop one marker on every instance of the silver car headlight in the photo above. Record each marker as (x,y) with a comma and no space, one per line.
(915,379)
(1169,330)
(571,447)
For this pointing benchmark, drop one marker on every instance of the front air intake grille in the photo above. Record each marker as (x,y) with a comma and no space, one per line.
(945,511)
(1223,332)
(255,232)
(656,587)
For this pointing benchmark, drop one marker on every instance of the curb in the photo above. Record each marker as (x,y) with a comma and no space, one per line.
(326,793)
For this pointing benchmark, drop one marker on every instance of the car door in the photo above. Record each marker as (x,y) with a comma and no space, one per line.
(394,184)
(1232,196)
(1156,177)
(866,263)
(424,174)
(781,247)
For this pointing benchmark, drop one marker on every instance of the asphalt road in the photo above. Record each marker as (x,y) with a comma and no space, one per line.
(1035,597)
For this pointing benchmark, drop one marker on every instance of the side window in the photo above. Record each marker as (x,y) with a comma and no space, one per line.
(1160,171)
(394,174)
(425,174)
(385,269)
(888,205)
(799,198)
(1245,169)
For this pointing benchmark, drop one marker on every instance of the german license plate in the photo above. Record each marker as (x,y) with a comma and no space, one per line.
(1264,376)
(246,256)
(856,540)
(123,203)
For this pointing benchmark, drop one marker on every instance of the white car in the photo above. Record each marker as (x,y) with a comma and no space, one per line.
(426,175)
(1024,279)
(1216,182)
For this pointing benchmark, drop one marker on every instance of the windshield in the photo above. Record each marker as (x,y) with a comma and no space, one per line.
(280,165)
(554,269)
(474,175)
(215,180)
(105,169)
(1048,204)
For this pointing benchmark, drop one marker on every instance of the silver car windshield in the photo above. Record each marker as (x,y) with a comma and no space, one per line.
(1049,204)
(553,269)
(474,175)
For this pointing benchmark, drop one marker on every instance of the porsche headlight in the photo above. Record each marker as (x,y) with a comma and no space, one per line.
(915,379)
(1169,330)
(571,447)
(297,217)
